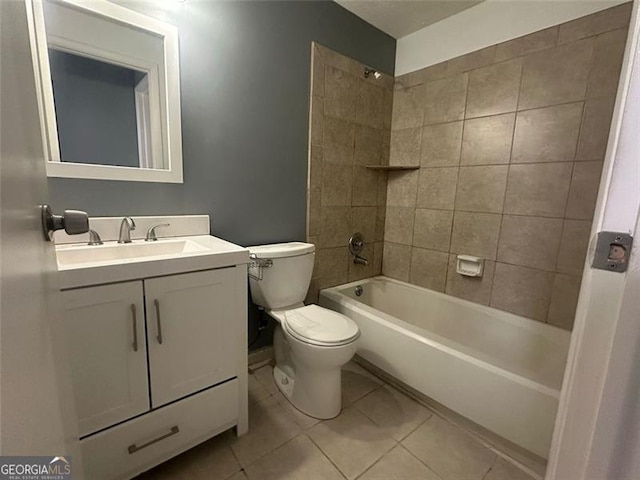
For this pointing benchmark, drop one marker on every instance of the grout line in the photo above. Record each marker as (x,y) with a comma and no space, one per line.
(327,456)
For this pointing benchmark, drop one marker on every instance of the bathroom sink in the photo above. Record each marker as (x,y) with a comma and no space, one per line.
(121,252)
(81,264)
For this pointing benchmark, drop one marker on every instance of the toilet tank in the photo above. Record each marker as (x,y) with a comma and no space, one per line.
(286,281)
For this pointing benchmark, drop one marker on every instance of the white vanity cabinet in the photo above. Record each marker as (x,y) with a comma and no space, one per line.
(158,365)
(192,320)
(105,338)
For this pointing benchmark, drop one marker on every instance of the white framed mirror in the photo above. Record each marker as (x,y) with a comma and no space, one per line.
(109,91)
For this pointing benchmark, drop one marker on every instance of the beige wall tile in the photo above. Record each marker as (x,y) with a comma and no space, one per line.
(547,134)
(407,111)
(363,220)
(314,215)
(556,76)
(530,241)
(369,148)
(405,147)
(339,131)
(532,43)
(315,168)
(365,186)
(381,215)
(487,141)
(402,188)
(399,225)
(429,268)
(539,189)
(338,60)
(606,63)
(336,184)
(433,72)
(432,229)
(564,300)
(584,190)
(333,264)
(396,261)
(437,188)
(449,450)
(372,252)
(494,89)
(573,246)
(317,77)
(595,129)
(444,100)
(335,226)
(340,90)
(475,289)
(382,188)
(336,153)
(475,234)
(470,61)
(317,120)
(481,189)
(370,106)
(441,145)
(521,290)
(603,21)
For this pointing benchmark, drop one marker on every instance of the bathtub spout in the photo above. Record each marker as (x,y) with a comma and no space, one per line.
(358,260)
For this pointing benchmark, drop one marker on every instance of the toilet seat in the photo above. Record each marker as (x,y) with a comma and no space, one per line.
(319,326)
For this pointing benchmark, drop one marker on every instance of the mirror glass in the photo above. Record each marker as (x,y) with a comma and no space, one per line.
(110,92)
(102,111)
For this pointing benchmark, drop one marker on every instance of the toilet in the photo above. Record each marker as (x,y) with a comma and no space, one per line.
(311,343)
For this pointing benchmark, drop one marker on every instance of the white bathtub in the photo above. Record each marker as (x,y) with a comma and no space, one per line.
(499,370)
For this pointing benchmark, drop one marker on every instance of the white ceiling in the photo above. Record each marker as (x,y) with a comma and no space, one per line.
(399,18)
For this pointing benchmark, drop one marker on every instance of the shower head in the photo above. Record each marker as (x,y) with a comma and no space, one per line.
(368,71)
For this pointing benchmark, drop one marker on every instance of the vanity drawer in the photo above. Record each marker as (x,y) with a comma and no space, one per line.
(139,444)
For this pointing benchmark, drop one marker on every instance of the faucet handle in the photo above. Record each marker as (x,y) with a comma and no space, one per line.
(151,233)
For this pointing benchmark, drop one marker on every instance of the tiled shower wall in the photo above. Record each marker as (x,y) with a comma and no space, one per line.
(349,129)
(510,141)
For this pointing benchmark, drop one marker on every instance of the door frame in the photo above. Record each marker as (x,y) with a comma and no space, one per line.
(591,437)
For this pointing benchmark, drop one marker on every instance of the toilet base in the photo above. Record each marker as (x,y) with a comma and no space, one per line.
(320,398)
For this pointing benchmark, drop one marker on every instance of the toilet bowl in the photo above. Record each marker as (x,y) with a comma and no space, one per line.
(311,343)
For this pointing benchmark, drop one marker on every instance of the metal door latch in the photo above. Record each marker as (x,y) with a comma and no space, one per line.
(612,251)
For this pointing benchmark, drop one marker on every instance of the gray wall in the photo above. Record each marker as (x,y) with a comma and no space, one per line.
(95,110)
(245,73)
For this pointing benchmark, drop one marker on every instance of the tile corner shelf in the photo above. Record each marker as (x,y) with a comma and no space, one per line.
(392,168)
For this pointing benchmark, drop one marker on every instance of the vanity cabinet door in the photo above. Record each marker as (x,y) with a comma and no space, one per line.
(193,322)
(105,334)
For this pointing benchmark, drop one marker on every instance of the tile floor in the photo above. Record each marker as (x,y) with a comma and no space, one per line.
(381,434)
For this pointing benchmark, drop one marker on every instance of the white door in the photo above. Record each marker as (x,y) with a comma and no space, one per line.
(37,416)
(104,329)
(192,324)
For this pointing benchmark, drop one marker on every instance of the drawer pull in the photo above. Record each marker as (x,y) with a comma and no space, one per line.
(135,448)
(157,304)
(134,321)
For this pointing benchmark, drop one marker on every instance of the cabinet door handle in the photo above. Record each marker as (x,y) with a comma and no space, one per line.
(157,304)
(134,322)
(135,448)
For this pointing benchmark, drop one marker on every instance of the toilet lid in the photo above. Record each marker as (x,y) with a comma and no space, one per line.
(320,326)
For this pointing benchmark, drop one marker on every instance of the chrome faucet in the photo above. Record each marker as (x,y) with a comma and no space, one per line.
(94,238)
(126,226)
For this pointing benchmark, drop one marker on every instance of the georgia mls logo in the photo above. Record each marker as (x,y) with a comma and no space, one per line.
(35,468)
